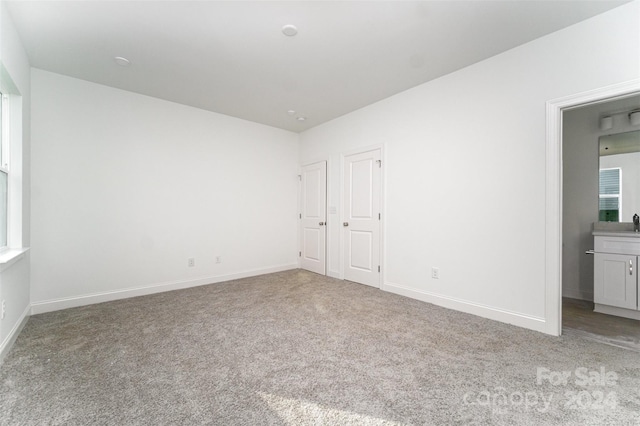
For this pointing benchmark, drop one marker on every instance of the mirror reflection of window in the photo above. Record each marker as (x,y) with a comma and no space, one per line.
(610,199)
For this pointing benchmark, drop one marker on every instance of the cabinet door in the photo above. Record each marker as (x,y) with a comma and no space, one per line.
(615,280)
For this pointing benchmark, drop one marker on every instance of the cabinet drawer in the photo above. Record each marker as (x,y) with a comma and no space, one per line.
(617,245)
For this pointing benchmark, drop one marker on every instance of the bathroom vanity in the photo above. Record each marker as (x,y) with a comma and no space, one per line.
(616,285)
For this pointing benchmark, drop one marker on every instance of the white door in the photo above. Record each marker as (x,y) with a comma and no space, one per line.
(313,217)
(361,221)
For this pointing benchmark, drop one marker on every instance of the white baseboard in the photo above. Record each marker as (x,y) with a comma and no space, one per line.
(577,294)
(514,318)
(90,299)
(8,342)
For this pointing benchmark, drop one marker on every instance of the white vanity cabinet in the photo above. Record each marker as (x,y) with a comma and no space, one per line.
(616,273)
(615,281)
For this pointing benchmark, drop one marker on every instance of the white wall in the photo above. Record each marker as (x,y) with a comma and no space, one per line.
(581,159)
(14,277)
(580,201)
(465,167)
(126,188)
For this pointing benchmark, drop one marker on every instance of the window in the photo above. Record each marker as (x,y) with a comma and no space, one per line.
(10,166)
(610,199)
(11,107)
(4,168)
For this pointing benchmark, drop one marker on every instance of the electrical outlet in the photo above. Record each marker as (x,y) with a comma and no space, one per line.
(435,273)
(4,309)
(191,262)
(218,259)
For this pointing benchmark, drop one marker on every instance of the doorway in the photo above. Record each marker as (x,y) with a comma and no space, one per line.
(580,161)
(591,195)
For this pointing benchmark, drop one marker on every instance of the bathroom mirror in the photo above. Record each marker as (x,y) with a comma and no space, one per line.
(619,197)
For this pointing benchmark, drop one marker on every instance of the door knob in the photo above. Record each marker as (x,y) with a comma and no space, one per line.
(322,223)
(345,224)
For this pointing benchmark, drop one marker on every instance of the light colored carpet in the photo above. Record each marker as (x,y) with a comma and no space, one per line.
(296,348)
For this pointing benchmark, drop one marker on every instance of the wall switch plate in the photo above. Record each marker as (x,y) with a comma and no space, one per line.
(191,262)
(218,259)
(435,273)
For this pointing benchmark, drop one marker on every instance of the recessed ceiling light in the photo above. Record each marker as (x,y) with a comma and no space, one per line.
(301,118)
(123,62)
(289,30)
(291,112)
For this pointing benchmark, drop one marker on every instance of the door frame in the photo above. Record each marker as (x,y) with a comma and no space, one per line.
(383,207)
(326,213)
(554,189)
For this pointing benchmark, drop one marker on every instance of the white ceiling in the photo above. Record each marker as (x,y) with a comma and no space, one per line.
(231,56)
